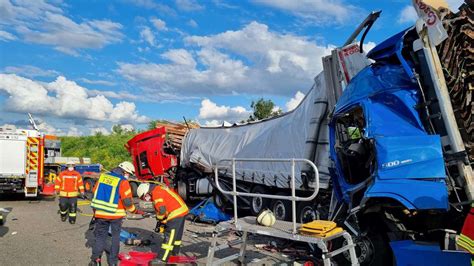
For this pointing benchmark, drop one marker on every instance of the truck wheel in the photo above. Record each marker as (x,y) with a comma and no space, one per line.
(306,212)
(88,185)
(371,249)
(257,204)
(281,208)
(219,201)
(134,187)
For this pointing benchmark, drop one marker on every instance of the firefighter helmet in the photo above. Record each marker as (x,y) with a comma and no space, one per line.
(143,189)
(127,167)
(266,218)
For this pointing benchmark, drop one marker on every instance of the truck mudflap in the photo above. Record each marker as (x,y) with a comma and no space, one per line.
(409,252)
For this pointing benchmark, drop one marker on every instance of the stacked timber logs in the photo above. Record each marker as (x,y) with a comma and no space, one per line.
(175,132)
(457,57)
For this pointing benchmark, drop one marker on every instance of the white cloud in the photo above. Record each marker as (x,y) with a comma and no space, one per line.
(49,129)
(317,11)
(43,23)
(193,23)
(147,35)
(30,71)
(211,111)
(98,82)
(63,98)
(101,130)
(407,15)
(159,24)
(188,5)
(127,127)
(6,36)
(251,60)
(369,46)
(295,101)
(74,132)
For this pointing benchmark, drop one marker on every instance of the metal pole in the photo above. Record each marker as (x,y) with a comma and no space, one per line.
(234,189)
(293,195)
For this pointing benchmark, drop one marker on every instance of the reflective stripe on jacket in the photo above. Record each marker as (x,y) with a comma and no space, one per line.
(168,204)
(466,239)
(68,183)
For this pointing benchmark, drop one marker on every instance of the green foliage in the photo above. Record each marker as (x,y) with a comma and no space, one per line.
(263,109)
(107,150)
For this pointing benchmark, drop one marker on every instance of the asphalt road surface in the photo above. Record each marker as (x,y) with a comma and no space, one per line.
(34,235)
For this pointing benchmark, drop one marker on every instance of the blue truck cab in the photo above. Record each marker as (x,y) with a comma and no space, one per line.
(389,174)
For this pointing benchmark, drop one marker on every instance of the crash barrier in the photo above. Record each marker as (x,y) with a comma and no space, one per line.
(281,229)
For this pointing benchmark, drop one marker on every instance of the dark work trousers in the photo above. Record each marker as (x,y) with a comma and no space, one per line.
(171,241)
(101,234)
(68,205)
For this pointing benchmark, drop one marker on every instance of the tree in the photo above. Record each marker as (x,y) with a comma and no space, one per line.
(152,124)
(263,109)
(117,130)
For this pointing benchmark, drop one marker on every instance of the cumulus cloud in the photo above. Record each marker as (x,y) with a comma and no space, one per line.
(43,23)
(48,129)
(407,15)
(295,101)
(74,132)
(147,35)
(251,60)
(99,130)
(211,111)
(64,98)
(188,5)
(317,11)
(159,24)
(30,71)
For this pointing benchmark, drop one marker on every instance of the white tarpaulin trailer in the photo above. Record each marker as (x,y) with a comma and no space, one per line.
(301,133)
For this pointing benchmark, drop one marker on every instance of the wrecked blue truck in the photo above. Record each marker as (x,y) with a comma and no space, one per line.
(391,133)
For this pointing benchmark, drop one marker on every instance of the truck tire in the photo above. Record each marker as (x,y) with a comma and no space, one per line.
(134,187)
(257,204)
(89,185)
(281,208)
(306,212)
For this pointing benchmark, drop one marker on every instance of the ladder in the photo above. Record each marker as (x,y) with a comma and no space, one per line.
(281,229)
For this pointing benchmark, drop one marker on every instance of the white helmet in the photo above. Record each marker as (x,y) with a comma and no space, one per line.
(127,167)
(266,218)
(71,163)
(143,189)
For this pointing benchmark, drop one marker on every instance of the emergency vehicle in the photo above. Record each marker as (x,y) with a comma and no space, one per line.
(22,162)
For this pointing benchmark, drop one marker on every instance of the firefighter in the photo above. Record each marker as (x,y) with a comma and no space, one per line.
(466,239)
(112,197)
(67,185)
(170,214)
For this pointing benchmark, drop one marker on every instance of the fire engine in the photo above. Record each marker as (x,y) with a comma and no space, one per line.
(22,162)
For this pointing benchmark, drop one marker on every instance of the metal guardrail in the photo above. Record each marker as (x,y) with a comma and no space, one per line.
(293,198)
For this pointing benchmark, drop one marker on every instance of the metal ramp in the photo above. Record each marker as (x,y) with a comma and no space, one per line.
(281,229)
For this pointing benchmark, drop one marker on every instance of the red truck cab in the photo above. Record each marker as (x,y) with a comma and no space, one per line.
(151,157)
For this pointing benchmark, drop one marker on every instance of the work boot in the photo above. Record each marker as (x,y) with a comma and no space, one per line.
(63,219)
(72,221)
(95,262)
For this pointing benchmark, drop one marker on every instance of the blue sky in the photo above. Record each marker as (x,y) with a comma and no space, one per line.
(82,66)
